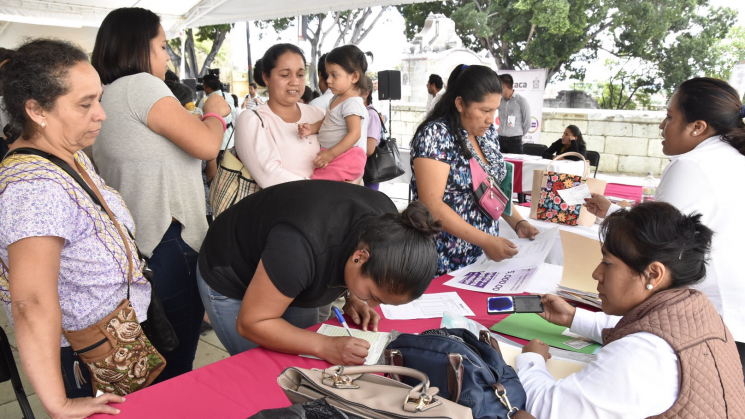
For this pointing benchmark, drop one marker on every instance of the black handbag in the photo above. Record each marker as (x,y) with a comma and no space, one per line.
(157,327)
(468,370)
(385,163)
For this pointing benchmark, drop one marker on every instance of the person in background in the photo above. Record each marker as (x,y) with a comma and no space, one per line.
(252,99)
(68,261)
(666,352)
(570,141)
(435,91)
(461,126)
(315,94)
(381,106)
(307,95)
(213,86)
(374,125)
(273,258)
(704,135)
(323,100)
(342,132)
(514,118)
(268,143)
(151,150)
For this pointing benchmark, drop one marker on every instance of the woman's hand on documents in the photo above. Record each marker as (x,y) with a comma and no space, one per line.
(557,311)
(598,205)
(361,313)
(537,346)
(345,350)
(498,248)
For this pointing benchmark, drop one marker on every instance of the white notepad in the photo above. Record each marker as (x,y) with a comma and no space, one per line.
(378,340)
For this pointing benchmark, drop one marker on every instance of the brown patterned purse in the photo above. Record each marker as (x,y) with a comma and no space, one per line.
(121,359)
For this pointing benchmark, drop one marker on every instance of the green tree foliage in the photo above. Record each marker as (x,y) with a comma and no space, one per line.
(209,40)
(674,36)
(727,53)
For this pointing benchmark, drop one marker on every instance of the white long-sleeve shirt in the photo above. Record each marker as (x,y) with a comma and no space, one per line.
(633,378)
(705,180)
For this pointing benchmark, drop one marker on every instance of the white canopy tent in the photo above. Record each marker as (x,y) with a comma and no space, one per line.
(78,20)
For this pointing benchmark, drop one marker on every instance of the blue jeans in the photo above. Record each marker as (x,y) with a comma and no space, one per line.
(174,266)
(223,314)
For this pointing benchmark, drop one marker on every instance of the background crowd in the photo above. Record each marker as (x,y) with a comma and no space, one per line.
(72,263)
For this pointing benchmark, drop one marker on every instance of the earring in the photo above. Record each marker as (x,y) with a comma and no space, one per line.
(356,260)
(650,286)
(695,132)
(43,124)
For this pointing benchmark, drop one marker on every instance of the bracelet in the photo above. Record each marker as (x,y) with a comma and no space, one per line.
(518,223)
(224,125)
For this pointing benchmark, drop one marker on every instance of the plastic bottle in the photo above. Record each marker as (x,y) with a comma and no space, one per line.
(649,188)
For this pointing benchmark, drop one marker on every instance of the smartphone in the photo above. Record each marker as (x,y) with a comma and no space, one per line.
(515,304)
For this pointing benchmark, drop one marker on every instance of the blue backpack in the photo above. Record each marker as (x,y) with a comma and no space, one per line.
(469,371)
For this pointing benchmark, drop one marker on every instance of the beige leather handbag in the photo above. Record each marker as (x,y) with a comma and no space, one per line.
(360,391)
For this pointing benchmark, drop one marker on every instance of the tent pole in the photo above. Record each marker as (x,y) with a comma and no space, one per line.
(248,46)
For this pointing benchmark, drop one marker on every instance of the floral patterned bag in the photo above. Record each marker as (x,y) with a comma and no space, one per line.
(547,205)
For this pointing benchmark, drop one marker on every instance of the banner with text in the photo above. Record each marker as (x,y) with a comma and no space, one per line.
(530,84)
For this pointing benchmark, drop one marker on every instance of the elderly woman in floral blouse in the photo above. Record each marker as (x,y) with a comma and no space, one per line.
(461,126)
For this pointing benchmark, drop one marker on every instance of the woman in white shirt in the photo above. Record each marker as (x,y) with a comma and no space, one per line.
(704,135)
(670,354)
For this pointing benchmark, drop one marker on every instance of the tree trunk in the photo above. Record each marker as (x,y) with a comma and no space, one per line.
(175,58)
(191,63)
(248,46)
(216,45)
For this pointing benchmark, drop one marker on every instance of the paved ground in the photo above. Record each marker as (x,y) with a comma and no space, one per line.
(210,349)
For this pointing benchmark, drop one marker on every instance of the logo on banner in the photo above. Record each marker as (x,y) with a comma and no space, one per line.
(534,125)
(520,85)
(536,84)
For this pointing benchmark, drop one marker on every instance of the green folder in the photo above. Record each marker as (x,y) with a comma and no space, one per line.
(531,326)
(507,186)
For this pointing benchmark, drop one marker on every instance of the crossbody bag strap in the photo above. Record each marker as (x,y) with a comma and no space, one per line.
(91,189)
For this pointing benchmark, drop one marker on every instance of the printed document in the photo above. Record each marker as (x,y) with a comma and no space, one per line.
(378,340)
(428,306)
(575,195)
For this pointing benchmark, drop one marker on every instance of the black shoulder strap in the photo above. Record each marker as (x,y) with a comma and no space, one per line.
(63,165)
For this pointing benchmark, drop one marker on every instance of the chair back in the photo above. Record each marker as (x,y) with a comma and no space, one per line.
(594,158)
(5,373)
(534,149)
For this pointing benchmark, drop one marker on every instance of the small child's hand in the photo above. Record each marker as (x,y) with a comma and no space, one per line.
(303,129)
(323,159)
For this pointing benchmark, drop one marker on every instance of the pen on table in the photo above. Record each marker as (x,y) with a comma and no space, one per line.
(343,322)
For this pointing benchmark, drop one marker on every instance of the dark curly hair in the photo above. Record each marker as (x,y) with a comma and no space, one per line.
(36,71)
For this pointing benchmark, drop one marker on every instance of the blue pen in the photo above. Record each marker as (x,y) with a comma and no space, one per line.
(343,322)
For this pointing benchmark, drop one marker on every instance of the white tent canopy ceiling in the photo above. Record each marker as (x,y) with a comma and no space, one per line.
(78,20)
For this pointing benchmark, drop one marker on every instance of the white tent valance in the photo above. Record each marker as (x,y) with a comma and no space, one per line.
(74,18)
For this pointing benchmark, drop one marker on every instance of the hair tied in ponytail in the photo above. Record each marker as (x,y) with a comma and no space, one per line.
(418,217)
(742,110)
(465,66)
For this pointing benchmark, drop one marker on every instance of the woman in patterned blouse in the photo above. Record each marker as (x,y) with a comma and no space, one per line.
(461,126)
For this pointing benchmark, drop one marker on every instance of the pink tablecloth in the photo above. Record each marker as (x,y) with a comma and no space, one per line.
(244,384)
(624,191)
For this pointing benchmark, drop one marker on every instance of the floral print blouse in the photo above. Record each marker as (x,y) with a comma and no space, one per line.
(436,141)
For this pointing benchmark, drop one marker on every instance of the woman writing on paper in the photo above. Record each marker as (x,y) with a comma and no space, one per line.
(271,260)
(666,350)
(704,135)
(461,125)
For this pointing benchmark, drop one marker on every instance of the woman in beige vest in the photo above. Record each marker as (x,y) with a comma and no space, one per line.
(666,353)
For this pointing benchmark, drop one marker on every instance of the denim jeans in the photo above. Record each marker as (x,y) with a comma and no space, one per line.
(67,358)
(511,145)
(223,314)
(174,266)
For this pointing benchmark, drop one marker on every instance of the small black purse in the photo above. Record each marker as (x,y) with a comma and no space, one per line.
(385,163)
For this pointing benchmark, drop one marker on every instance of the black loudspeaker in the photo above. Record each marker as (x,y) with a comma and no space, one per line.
(389,85)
